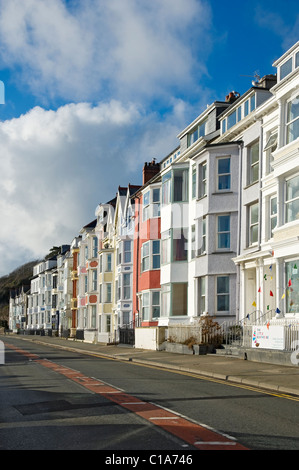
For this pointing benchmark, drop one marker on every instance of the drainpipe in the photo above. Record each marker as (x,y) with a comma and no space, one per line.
(238,283)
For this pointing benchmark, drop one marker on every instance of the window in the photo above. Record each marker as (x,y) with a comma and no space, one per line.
(145,305)
(108,323)
(180,244)
(165,300)
(85,284)
(150,305)
(93,316)
(198,132)
(127,286)
(166,246)
(202,225)
(202,179)
(193,181)
(127,251)
(109,262)
(292,199)
(273,214)
(253,223)
(146,206)
(180,185)
(193,241)
(201,295)
(223,235)
(166,188)
(150,255)
(222,294)
(156,254)
(239,113)
(269,148)
(94,279)
(253,163)
(292,124)
(223,174)
(292,293)
(252,103)
(231,120)
(179,299)
(285,69)
(95,247)
(246,108)
(156,202)
(145,256)
(108,293)
(155,304)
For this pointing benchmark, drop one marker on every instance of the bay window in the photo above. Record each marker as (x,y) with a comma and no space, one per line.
(175,186)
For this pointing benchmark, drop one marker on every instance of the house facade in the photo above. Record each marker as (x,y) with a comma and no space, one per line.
(268,258)
(213,228)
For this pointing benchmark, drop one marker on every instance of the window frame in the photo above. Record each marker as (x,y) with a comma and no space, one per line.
(223,174)
(253,165)
(292,200)
(293,120)
(223,294)
(223,232)
(251,224)
(151,255)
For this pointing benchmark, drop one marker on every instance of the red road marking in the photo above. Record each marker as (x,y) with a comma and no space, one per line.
(198,436)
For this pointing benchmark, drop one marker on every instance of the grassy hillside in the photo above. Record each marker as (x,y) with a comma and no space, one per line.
(13,281)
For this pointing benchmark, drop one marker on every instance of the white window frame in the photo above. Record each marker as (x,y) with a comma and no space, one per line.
(252,165)
(223,232)
(252,224)
(272,215)
(222,294)
(222,175)
(150,255)
(292,200)
(291,121)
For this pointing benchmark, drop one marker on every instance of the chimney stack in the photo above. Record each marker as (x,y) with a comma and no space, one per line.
(150,170)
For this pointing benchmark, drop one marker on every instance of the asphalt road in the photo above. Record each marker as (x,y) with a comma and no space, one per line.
(53,399)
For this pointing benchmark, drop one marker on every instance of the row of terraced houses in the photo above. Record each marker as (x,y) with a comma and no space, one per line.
(213,229)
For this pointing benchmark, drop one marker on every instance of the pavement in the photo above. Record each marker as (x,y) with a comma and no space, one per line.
(280,379)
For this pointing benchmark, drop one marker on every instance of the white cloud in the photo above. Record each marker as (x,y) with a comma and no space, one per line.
(74,50)
(56,166)
(129,58)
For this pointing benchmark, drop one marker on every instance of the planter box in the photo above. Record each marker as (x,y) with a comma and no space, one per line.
(178,348)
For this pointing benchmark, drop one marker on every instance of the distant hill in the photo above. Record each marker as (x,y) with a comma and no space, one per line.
(13,282)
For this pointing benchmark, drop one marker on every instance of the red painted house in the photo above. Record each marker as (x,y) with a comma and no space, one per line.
(146,254)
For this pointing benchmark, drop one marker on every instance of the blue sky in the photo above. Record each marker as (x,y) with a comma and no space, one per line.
(93,89)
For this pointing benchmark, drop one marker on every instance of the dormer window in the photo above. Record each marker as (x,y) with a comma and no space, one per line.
(196,133)
(239,113)
(288,65)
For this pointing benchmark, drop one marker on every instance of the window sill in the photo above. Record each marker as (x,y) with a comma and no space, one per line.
(224,191)
(249,185)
